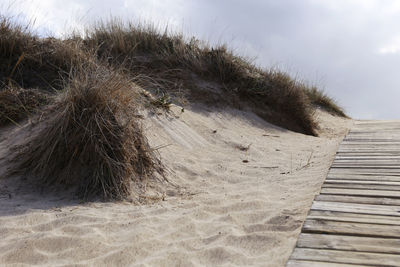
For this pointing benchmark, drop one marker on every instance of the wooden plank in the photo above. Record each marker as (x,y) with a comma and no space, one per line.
(355,220)
(351,228)
(349,257)
(370,182)
(372,151)
(368,162)
(364,172)
(361,154)
(301,263)
(365,160)
(365,157)
(366,166)
(369,151)
(364,148)
(378,168)
(344,173)
(382,146)
(370,141)
(363,177)
(350,243)
(361,186)
(359,199)
(357,208)
(352,217)
(361,192)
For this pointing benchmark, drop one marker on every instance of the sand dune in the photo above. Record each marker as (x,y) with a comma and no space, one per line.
(244,189)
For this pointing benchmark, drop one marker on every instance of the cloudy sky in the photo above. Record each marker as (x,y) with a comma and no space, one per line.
(350,48)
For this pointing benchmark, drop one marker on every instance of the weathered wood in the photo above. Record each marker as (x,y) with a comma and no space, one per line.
(391,169)
(364,162)
(355,220)
(378,163)
(357,208)
(359,199)
(340,157)
(301,263)
(368,182)
(361,186)
(355,172)
(366,166)
(349,257)
(352,217)
(361,192)
(350,243)
(363,177)
(351,228)
(366,170)
(364,154)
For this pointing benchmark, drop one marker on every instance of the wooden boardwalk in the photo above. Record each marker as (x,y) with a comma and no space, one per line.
(355,220)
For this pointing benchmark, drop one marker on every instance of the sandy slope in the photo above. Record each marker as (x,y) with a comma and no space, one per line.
(233,213)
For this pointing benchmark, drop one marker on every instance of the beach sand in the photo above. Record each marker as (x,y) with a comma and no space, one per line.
(243,190)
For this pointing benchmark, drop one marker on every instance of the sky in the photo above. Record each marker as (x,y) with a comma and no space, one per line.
(348,48)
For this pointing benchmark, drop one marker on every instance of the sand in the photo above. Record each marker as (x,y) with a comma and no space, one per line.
(245,187)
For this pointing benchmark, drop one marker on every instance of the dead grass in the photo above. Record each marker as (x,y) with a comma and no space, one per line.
(17,104)
(166,63)
(319,98)
(28,61)
(91,138)
(169,56)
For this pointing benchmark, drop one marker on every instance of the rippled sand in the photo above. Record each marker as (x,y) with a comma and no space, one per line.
(240,206)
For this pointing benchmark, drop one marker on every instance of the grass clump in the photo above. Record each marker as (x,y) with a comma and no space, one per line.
(28,61)
(168,65)
(319,98)
(272,94)
(91,138)
(17,104)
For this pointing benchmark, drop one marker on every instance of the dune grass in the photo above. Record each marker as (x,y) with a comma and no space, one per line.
(17,104)
(319,98)
(164,55)
(28,61)
(91,138)
(89,90)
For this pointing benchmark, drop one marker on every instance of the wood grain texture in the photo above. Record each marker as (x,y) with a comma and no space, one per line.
(347,257)
(338,216)
(357,208)
(351,228)
(305,263)
(355,220)
(349,243)
(359,199)
(361,192)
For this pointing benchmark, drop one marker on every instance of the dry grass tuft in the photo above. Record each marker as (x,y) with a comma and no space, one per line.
(168,65)
(319,98)
(90,135)
(91,138)
(28,61)
(17,104)
(167,56)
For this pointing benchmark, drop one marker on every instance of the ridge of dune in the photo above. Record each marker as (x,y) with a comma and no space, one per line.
(243,189)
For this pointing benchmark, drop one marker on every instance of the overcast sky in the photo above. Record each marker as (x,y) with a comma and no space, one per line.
(350,48)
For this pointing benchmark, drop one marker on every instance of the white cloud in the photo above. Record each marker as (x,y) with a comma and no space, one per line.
(392,47)
(353,44)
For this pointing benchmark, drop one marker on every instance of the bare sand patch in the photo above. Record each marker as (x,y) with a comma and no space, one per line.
(245,187)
